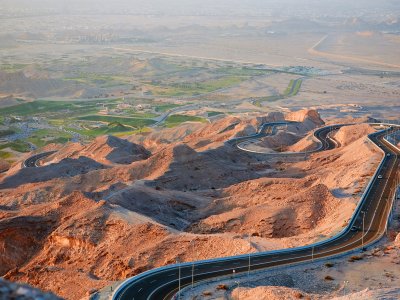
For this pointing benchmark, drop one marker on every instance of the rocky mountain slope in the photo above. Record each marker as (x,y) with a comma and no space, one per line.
(97,213)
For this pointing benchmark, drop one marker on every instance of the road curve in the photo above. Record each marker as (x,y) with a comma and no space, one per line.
(369,219)
(322,135)
(32,161)
(265,129)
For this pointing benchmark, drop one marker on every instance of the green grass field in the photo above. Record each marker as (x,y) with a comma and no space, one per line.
(41,107)
(19,146)
(198,88)
(103,81)
(166,107)
(258,102)
(134,122)
(5,155)
(244,71)
(137,131)
(114,128)
(44,137)
(73,115)
(293,88)
(214,113)
(297,87)
(141,115)
(175,120)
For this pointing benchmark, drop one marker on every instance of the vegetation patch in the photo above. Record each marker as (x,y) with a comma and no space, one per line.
(175,120)
(214,113)
(44,137)
(100,80)
(244,71)
(144,130)
(166,107)
(196,88)
(258,101)
(19,146)
(5,155)
(133,122)
(142,115)
(44,107)
(113,128)
(293,88)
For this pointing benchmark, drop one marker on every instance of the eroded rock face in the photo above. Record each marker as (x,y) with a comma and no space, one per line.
(306,116)
(20,239)
(348,134)
(124,152)
(9,290)
(68,167)
(104,149)
(268,293)
(397,240)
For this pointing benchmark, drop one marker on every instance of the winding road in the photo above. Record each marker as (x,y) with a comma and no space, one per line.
(322,135)
(367,226)
(32,162)
(266,129)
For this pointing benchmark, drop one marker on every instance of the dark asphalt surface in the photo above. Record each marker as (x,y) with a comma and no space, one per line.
(31,161)
(265,130)
(164,284)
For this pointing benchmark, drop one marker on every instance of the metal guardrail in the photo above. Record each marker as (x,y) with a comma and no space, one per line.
(390,142)
(259,131)
(394,194)
(225,259)
(36,157)
(300,153)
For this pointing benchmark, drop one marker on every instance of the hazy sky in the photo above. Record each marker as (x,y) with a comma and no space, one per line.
(198,7)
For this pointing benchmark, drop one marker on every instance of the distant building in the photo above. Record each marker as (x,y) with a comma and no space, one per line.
(142,106)
(124,106)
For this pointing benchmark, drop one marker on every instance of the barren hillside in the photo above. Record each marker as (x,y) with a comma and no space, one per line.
(97,213)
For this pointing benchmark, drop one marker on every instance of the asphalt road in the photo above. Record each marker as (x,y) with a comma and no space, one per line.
(265,130)
(31,162)
(268,129)
(161,119)
(370,220)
